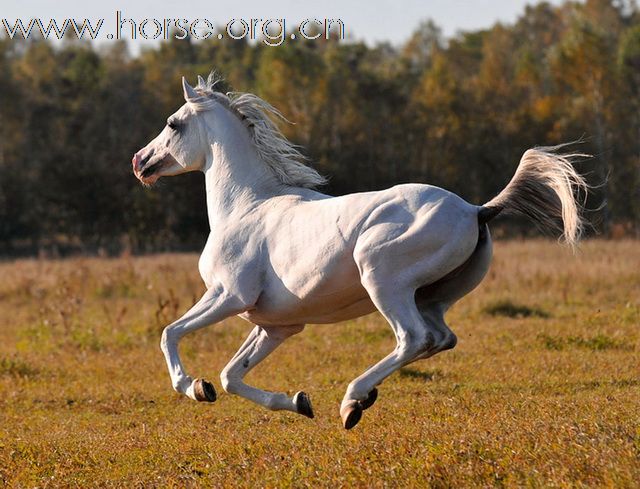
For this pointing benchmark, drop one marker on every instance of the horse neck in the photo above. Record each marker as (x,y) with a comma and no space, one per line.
(236,178)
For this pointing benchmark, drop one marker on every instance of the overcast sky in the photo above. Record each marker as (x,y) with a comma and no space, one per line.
(371,20)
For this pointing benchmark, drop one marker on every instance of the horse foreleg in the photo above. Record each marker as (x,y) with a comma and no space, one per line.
(258,345)
(214,306)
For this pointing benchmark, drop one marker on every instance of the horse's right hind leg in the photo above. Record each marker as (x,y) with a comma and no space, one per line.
(435,299)
(413,336)
(433,316)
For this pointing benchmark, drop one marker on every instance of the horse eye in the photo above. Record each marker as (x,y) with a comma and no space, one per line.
(172,125)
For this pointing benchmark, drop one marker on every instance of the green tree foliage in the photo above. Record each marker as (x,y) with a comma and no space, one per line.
(452,112)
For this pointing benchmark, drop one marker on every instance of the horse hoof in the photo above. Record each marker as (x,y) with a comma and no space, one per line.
(351,414)
(371,398)
(303,404)
(204,391)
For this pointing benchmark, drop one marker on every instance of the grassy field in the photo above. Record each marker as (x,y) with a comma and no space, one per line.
(543,388)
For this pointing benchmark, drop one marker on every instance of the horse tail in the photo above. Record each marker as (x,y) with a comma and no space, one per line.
(544,188)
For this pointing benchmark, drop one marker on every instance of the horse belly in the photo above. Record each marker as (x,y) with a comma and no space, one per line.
(336,297)
(314,312)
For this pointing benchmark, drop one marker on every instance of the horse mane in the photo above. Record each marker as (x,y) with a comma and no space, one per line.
(276,151)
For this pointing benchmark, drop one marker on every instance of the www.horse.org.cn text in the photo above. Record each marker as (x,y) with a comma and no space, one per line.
(272,32)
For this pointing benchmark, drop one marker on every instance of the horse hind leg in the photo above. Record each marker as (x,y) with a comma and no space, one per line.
(258,345)
(416,317)
(445,338)
(435,299)
(413,337)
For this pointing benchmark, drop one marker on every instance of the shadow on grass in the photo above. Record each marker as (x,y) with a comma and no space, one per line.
(550,388)
(512,310)
(428,376)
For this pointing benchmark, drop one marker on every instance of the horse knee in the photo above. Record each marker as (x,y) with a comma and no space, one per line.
(168,339)
(229,381)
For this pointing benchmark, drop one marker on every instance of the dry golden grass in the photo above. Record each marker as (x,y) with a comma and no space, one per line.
(543,388)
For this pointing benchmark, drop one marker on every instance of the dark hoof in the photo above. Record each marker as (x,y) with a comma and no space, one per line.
(204,391)
(351,414)
(371,398)
(303,404)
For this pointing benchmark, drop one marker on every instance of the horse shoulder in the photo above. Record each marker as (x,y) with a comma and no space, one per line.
(233,259)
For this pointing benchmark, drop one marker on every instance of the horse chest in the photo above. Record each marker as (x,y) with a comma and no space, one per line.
(214,263)
(234,263)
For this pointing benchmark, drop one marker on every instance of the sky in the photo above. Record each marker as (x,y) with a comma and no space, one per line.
(372,20)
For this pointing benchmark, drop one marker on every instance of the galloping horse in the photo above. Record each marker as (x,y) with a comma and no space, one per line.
(282,255)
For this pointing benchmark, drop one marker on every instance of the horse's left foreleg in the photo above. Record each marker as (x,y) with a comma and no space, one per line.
(259,344)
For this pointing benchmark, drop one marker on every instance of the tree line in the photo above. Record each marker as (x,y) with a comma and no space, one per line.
(456,113)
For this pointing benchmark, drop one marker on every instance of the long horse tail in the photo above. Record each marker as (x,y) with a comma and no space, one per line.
(544,188)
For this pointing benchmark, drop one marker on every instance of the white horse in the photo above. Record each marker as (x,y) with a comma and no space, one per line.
(282,255)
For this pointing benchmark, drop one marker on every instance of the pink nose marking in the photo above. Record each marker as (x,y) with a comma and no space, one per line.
(135,161)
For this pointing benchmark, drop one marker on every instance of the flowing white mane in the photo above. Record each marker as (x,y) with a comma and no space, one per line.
(280,155)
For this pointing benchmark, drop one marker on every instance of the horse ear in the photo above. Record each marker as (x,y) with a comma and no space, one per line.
(201,82)
(189,91)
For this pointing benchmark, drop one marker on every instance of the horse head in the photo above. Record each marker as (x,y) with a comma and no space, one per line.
(179,148)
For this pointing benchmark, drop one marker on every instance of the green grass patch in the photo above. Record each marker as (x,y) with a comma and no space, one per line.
(599,342)
(15,367)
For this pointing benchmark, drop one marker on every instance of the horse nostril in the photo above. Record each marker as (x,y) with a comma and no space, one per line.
(140,162)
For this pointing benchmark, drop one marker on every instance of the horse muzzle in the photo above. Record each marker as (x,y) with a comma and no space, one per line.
(147,166)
